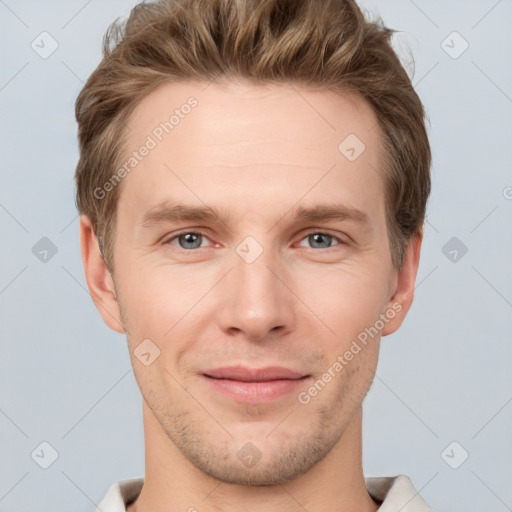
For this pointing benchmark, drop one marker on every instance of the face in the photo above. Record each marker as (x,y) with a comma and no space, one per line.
(248,239)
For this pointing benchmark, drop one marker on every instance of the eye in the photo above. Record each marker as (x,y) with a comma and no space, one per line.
(320,240)
(189,240)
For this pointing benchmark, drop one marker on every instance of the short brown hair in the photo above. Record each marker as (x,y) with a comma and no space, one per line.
(321,43)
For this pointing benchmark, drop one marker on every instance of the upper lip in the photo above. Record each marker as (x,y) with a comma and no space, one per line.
(245,374)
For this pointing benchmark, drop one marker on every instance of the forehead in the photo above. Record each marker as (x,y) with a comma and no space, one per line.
(252,139)
(229,112)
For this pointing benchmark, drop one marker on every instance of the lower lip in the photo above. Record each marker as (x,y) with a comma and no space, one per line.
(255,392)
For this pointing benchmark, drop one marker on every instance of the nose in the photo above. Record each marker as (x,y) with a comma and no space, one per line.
(256,299)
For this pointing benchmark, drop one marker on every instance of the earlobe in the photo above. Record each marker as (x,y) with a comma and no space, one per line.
(98,277)
(404,280)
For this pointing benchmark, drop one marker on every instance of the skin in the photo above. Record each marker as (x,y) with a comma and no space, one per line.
(256,153)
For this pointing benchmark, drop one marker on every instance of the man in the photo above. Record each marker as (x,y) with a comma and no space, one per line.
(252,184)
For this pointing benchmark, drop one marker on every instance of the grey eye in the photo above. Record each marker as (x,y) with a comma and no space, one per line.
(320,240)
(190,240)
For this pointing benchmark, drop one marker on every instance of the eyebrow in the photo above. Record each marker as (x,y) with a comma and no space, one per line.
(340,212)
(166,212)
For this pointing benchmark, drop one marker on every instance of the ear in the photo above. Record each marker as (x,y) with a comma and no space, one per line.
(97,275)
(403,286)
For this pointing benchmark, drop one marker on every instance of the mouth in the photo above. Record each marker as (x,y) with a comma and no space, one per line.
(254,385)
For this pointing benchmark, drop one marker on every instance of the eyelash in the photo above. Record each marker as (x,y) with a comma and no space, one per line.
(203,234)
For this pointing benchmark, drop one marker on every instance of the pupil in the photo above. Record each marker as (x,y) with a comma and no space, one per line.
(319,239)
(190,241)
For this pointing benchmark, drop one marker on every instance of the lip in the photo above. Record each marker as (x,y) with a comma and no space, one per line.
(246,374)
(254,385)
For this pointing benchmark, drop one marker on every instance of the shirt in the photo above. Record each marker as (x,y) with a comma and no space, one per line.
(395,493)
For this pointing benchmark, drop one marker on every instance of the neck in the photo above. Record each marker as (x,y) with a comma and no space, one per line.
(336,483)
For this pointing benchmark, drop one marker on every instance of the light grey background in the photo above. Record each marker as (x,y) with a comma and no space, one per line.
(445,376)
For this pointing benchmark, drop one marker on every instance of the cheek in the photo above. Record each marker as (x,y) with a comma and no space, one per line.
(170,307)
(347,299)
(156,299)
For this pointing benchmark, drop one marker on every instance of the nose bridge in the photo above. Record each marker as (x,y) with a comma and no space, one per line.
(256,301)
